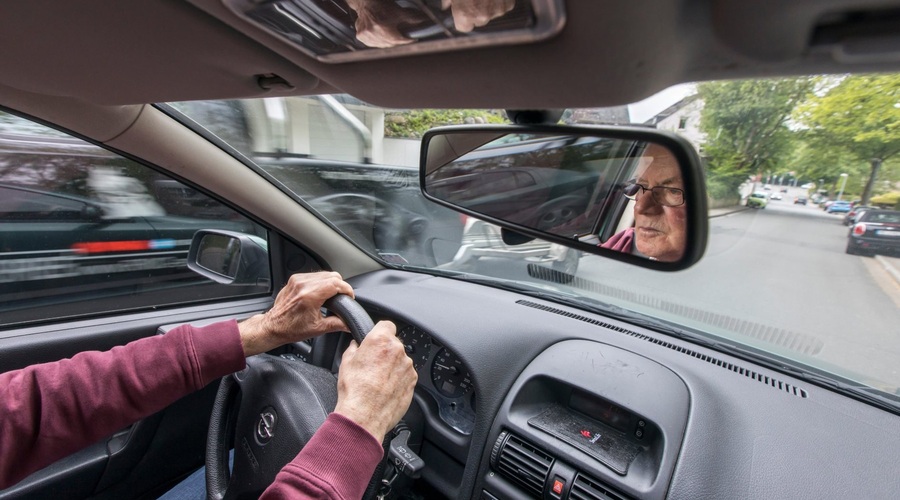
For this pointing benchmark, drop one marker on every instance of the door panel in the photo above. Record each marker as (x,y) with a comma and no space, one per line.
(150,455)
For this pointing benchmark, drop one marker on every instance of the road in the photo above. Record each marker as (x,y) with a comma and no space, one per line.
(784,268)
(780,279)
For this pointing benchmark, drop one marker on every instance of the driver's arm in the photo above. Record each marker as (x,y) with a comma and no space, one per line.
(51,410)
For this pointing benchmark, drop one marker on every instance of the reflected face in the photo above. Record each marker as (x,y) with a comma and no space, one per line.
(660,231)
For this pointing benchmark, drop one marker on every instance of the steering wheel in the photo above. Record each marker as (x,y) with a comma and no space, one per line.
(558,211)
(272,408)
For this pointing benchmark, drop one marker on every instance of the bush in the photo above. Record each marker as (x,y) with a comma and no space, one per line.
(718,190)
(412,124)
(891,199)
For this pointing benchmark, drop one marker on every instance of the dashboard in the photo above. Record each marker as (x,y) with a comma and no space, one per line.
(524,398)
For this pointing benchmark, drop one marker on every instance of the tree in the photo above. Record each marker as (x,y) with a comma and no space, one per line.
(815,160)
(414,123)
(746,124)
(861,115)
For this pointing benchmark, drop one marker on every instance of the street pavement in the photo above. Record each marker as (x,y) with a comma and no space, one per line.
(891,265)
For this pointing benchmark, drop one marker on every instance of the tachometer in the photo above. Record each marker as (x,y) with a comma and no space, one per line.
(449,376)
(417,344)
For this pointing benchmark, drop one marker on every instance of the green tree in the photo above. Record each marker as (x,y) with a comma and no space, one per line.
(860,115)
(814,160)
(414,123)
(746,124)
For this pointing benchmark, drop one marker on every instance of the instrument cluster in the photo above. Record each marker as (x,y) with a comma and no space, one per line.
(442,375)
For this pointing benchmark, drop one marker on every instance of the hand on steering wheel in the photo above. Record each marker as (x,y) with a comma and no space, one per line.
(273,407)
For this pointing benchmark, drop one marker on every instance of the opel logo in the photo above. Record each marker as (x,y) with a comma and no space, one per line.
(265,428)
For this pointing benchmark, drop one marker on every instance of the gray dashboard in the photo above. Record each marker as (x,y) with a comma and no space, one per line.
(715,426)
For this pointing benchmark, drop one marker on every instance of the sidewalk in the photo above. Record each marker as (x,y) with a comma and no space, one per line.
(891,265)
(719,212)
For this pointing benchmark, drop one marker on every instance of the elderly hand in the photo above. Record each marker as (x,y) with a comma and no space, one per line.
(471,14)
(296,315)
(376,381)
(377,22)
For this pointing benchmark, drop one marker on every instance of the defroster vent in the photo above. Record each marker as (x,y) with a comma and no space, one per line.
(519,461)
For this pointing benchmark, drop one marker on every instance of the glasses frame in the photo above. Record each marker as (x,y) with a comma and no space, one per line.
(656,192)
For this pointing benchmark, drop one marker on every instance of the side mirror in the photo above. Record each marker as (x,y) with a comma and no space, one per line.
(229,258)
(628,193)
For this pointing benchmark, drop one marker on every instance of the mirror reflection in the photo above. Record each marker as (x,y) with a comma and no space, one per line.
(619,194)
(220,254)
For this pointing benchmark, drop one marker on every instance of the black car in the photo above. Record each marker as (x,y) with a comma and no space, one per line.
(854,214)
(53,245)
(876,231)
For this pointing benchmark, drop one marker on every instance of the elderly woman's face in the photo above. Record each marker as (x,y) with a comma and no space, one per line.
(660,231)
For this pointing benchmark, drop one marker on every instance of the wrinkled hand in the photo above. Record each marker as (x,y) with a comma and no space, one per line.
(376,381)
(296,315)
(377,22)
(471,14)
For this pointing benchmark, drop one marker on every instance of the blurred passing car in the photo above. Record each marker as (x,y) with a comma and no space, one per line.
(800,200)
(875,232)
(776,196)
(757,199)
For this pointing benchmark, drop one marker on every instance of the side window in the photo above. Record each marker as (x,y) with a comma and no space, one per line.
(85,231)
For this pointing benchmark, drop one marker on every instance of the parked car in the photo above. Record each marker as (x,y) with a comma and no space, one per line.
(757,199)
(734,372)
(838,207)
(876,231)
(854,213)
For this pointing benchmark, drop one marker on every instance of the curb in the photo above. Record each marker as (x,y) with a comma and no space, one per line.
(728,211)
(889,268)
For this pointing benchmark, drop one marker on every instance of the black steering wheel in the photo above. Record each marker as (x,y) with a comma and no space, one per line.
(271,409)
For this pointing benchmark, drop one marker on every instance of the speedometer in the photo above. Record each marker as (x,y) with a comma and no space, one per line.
(417,344)
(449,376)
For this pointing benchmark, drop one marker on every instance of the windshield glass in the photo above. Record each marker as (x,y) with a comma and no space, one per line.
(786,277)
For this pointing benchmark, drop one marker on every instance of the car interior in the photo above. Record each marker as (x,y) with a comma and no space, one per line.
(523,392)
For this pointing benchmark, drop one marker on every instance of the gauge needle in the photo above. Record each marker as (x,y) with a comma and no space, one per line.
(445,367)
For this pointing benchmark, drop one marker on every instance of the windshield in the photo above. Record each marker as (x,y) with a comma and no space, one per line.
(780,282)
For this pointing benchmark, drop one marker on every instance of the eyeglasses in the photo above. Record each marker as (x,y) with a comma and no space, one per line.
(665,196)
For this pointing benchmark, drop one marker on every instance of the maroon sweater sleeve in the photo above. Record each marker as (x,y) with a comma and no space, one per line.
(51,410)
(621,242)
(336,463)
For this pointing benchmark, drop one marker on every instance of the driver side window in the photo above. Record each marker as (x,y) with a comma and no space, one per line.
(83,230)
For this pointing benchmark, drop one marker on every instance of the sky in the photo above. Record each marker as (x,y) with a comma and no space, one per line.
(641,111)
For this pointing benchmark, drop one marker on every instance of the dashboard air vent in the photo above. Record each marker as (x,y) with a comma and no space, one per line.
(524,464)
(771,381)
(585,488)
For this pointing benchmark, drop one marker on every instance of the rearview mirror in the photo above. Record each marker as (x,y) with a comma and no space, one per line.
(628,193)
(229,258)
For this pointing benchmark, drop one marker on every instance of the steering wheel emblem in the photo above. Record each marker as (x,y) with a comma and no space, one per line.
(265,428)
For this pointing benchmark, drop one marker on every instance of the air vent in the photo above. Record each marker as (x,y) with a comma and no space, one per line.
(773,382)
(521,462)
(586,488)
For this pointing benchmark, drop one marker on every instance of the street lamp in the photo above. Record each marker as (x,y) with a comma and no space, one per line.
(843,183)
